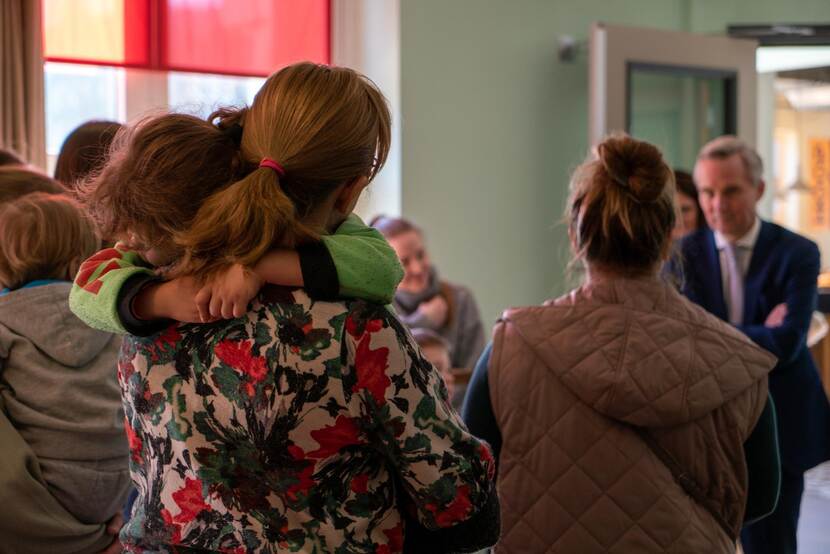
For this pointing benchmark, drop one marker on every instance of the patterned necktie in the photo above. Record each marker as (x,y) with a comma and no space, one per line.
(735,283)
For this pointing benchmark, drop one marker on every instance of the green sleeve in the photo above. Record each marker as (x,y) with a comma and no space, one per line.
(95,292)
(367,267)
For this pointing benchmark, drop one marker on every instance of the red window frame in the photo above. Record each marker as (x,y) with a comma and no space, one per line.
(145,36)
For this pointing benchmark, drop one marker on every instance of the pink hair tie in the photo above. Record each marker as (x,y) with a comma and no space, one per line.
(269,163)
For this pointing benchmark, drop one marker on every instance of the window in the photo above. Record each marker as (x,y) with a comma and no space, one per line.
(200,94)
(118,59)
(230,37)
(78,93)
(257,36)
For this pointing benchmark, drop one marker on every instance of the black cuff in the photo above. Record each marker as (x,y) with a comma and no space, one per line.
(477,533)
(129,290)
(319,272)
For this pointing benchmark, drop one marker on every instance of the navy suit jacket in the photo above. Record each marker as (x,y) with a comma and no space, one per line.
(783,269)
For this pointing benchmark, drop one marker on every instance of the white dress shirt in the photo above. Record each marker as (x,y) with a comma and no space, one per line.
(743,253)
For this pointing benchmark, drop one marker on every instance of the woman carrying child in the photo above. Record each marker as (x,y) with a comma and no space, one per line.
(307,423)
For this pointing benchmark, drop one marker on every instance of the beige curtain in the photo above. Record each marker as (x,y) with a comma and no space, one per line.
(22,109)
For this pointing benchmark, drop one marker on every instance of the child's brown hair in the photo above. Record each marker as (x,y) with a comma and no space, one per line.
(187,182)
(621,208)
(160,170)
(17,181)
(84,151)
(43,236)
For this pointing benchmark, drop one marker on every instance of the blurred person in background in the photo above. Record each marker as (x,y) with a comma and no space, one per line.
(32,517)
(762,279)
(423,300)
(691,215)
(85,150)
(437,352)
(9,157)
(17,181)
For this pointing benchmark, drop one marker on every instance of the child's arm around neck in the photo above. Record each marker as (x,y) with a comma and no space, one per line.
(354,262)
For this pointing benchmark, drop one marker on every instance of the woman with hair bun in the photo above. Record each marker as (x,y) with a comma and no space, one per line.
(623,417)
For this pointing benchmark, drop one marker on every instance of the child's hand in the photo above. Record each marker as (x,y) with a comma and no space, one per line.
(169,300)
(227,295)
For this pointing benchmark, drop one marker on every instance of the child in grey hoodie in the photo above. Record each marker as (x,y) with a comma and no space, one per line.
(58,382)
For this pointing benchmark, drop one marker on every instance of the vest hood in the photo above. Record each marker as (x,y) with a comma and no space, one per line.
(638,352)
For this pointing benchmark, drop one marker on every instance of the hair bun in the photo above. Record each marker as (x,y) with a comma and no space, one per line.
(635,166)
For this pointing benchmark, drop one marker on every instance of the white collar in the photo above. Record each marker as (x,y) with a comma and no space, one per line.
(747,241)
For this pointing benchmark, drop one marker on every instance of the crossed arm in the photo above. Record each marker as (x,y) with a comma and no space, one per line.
(784,336)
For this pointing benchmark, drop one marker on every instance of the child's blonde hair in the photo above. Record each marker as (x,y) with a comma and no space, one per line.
(43,236)
(198,186)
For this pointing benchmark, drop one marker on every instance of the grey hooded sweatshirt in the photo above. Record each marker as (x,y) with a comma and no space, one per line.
(59,388)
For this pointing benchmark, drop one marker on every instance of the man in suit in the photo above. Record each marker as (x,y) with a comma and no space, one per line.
(762,278)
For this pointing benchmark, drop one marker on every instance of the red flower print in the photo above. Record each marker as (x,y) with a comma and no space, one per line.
(237,550)
(359,483)
(371,370)
(296,452)
(125,370)
(237,354)
(170,337)
(176,536)
(351,326)
(305,481)
(395,536)
(487,457)
(134,441)
(456,511)
(332,438)
(304,484)
(190,501)
(370,326)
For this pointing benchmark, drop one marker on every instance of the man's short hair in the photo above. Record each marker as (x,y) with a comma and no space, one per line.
(728,146)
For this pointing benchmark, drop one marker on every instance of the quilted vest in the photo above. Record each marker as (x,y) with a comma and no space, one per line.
(569,381)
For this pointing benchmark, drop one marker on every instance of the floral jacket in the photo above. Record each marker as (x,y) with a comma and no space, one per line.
(301,427)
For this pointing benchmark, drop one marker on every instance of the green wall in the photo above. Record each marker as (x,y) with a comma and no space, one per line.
(492,123)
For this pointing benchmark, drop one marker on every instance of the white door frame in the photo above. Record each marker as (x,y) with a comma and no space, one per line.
(613,50)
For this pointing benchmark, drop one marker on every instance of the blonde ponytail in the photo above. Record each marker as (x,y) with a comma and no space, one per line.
(240,224)
(324,126)
(193,186)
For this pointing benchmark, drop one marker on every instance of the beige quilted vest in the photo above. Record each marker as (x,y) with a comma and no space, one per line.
(567,382)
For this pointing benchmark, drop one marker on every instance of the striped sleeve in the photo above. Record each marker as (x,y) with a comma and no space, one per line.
(95,293)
